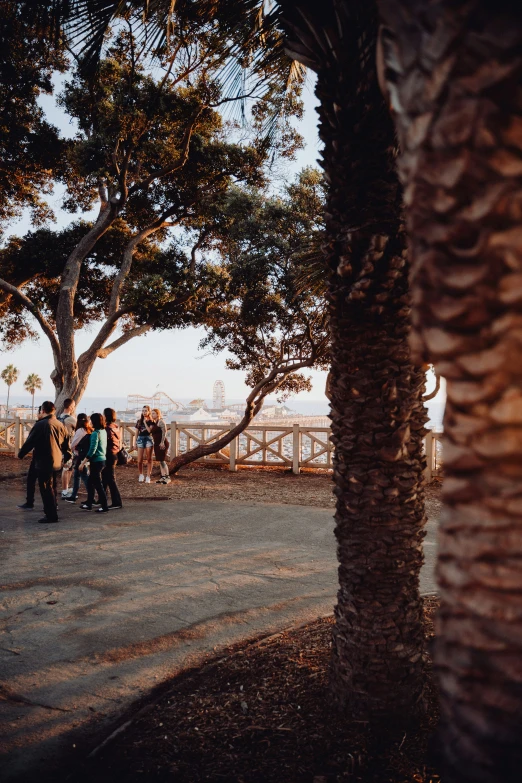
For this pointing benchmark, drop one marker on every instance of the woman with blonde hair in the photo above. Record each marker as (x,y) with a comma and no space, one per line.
(144,443)
(158,431)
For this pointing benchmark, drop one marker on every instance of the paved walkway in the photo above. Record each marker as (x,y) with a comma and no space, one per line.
(99,609)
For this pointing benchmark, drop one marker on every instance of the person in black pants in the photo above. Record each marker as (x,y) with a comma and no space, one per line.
(32,477)
(113,447)
(96,457)
(31,480)
(49,442)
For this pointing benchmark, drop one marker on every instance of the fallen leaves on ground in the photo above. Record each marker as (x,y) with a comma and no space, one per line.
(260,714)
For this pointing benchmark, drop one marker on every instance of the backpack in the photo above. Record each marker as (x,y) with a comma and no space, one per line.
(83,447)
(123,456)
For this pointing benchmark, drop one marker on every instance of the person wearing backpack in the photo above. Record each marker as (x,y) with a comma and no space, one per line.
(68,420)
(96,457)
(79,447)
(113,449)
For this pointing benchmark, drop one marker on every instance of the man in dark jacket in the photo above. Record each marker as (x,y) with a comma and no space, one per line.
(49,442)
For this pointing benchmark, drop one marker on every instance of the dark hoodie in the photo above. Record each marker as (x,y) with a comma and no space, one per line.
(113,442)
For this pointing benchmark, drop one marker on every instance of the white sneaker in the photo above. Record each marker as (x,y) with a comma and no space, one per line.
(66,493)
(141,477)
(147,480)
(166,480)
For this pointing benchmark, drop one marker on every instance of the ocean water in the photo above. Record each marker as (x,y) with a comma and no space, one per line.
(305,407)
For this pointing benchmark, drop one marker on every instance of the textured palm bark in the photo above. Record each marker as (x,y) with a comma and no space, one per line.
(454,74)
(375,390)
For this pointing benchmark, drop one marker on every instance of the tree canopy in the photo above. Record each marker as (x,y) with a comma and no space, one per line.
(30,147)
(156,155)
(266,317)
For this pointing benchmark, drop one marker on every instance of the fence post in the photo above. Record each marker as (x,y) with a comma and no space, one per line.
(296,449)
(233,456)
(18,435)
(174,440)
(428,441)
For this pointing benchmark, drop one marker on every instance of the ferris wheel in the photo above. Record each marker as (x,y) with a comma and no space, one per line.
(218,396)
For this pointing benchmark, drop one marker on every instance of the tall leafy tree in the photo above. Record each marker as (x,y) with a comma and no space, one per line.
(154,155)
(32,384)
(454,76)
(9,376)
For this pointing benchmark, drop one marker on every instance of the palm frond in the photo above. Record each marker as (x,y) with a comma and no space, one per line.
(311,270)
(247,34)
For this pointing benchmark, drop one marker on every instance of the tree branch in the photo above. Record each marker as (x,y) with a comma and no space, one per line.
(178,163)
(71,276)
(254,403)
(205,232)
(88,356)
(126,264)
(125,337)
(43,322)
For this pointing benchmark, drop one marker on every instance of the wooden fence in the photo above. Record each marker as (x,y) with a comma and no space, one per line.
(294,446)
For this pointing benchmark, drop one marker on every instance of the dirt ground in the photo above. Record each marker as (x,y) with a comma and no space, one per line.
(255,485)
(260,714)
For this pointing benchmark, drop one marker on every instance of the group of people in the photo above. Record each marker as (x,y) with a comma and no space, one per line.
(87,450)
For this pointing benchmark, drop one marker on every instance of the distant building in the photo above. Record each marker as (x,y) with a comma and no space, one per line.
(228,415)
(20,411)
(199,415)
(274,411)
(218,396)
(199,402)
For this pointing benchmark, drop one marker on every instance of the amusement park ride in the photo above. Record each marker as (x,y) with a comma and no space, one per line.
(167,405)
(158,400)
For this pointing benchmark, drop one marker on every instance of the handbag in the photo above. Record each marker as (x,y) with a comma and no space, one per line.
(83,447)
(123,456)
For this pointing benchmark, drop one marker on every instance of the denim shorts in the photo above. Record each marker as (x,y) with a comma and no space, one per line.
(144,442)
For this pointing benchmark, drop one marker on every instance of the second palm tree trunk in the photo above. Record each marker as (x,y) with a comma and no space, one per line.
(377,412)
(455,83)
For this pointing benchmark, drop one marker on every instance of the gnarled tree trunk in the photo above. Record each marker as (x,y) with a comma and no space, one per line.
(375,390)
(455,83)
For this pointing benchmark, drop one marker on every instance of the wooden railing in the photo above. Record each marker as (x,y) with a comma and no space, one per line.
(293,446)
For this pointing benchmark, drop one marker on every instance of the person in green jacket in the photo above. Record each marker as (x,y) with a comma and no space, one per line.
(96,456)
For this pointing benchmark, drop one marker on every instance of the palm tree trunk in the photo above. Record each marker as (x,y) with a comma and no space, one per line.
(32,407)
(8,393)
(455,75)
(375,390)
